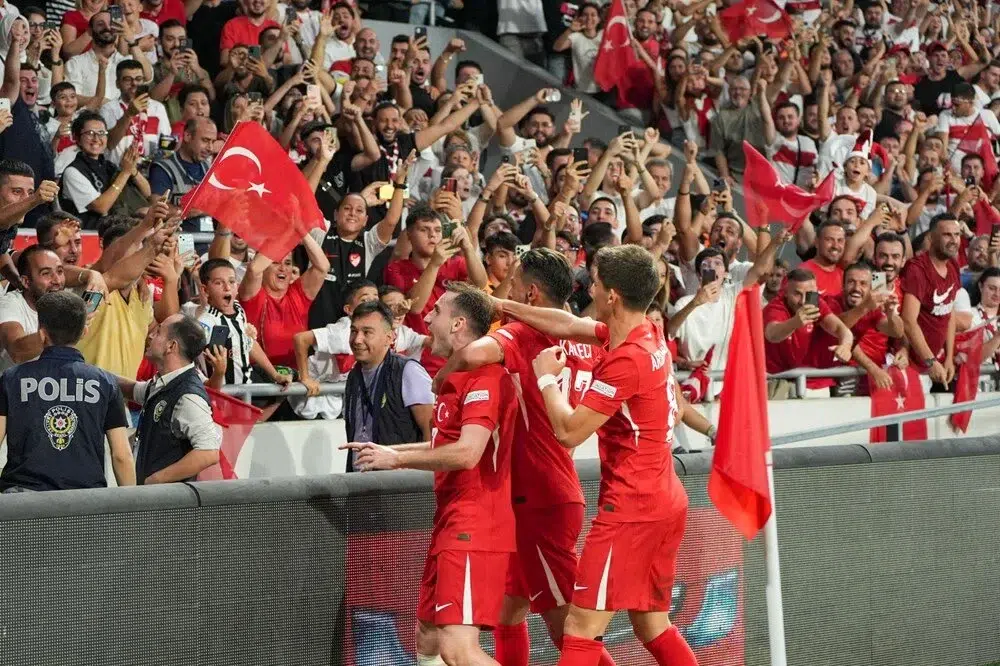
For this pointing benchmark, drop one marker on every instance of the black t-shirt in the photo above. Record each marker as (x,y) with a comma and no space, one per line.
(422,99)
(335,183)
(347,266)
(887,126)
(380,171)
(935,96)
(204,29)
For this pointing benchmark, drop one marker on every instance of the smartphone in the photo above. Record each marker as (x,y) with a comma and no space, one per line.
(255,97)
(4,104)
(175,199)
(718,185)
(254,52)
(994,232)
(219,336)
(185,45)
(553,96)
(51,25)
(420,31)
(624,129)
(142,89)
(385,192)
(478,79)
(581,155)
(708,276)
(506,159)
(313,95)
(879,281)
(521,250)
(970,181)
(92,299)
(812,298)
(116,13)
(380,70)
(450,185)
(168,142)
(290,15)
(447,229)
(185,243)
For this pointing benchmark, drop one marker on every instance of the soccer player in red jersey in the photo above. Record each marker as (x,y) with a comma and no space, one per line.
(469,453)
(629,557)
(548,501)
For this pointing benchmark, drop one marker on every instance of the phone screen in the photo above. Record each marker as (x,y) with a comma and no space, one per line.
(254,52)
(420,31)
(385,192)
(92,299)
(4,104)
(447,229)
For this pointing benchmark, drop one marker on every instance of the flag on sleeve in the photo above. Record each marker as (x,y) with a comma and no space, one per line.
(977,141)
(969,355)
(255,190)
(615,55)
(237,419)
(769,200)
(755,18)
(906,395)
(737,483)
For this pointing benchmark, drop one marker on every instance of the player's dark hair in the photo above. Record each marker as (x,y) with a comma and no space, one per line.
(205,272)
(374,307)
(14,168)
(938,219)
(421,213)
(828,225)
(858,266)
(550,272)
(126,65)
(189,336)
(189,90)
(474,305)
(630,271)
(170,23)
(462,64)
(113,227)
(387,289)
(59,87)
(800,275)
(890,237)
(63,316)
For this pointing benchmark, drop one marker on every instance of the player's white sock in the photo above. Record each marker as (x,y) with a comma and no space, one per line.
(424,660)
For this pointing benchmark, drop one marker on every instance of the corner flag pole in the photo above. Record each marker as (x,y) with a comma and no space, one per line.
(772,590)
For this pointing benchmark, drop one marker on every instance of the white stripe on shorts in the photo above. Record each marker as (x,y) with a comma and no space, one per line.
(551,580)
(602,590)
(467,593)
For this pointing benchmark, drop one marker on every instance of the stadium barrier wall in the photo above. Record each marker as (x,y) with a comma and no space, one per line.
(890,557)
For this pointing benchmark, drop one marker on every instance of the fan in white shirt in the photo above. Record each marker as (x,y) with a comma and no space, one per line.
(133,116)
(958,122)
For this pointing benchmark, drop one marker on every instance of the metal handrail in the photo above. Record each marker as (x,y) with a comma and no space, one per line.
(879,421)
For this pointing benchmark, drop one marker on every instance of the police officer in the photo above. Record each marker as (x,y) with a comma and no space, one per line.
(57,410)
(177,438)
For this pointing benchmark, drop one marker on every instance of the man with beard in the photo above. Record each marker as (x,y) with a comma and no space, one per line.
(726,234)
(865,312)
(636,86)
(176,70)
(134,119)
(772,285)
(793,154)
(41,272)
(930,285)
(83,70)
(830,240)
(336,36)
(956,123)
(329,167)
(60,232)
(395,145)
(182,170)
(309,23)
(894,112)
(18,198)
(977,260)
(421,91)
(245,29)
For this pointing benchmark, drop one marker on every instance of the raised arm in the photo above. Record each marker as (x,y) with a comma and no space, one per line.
(432,133)
(553,322)
(319,266)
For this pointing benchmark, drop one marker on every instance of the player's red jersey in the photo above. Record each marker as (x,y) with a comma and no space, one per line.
(473,506)
(542,469)
(633,384)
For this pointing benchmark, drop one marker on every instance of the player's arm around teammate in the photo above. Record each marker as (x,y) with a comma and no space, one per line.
(463,454)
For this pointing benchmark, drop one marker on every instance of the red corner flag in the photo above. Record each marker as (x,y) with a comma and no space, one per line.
(769,200)
(755,18)
(737,484)
(968,348)
(237,419)
(976,140)
(254,189)
(615,56)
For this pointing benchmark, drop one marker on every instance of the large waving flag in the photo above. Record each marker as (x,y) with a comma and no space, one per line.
(254,189)
(615,56)
(755,18)
(737,483)
(768,200)
(977,141)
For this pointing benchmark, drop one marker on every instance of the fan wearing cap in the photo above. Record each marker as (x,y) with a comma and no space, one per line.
(958,121)
(933,92)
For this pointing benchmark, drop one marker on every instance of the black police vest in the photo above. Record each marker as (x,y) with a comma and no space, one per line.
(347,267)
(57,411)
(393,422)
(158,447)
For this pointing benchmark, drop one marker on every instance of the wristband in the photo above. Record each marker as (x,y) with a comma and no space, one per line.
(546,381)
(711,433)
(928,363)
(56,63)
(224,234)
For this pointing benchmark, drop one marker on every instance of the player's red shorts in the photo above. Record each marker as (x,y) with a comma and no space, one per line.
(629,566)
(463,587)
(544,567)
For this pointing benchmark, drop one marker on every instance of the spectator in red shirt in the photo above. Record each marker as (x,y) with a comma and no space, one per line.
(830,239)
(789,326)
(868,312)
(245,29)
(433,263)
(161,11)
(930,284)
(278,307)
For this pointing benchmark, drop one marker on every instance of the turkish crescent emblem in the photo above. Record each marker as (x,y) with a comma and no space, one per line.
(774,17)
(249,154)
(622,21)
(158,410)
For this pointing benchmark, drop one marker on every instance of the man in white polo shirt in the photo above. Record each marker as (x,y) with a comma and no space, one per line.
(82,70)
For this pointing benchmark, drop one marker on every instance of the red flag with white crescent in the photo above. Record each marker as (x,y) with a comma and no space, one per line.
(615,55)
(768,200)
(254,189)
(755,18)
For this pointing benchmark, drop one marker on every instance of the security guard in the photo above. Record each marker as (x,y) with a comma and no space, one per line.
(57,410)
(177,438)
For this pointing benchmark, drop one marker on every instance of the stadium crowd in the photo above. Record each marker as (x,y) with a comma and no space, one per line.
(117,110)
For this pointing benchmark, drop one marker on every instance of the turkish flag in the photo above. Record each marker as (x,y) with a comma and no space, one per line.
(906,395)
(977,140)
(737,483)
(255,190)
(769,200)
(237,419)
(755,18)
(969,355)
(615,55)
(986,217)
